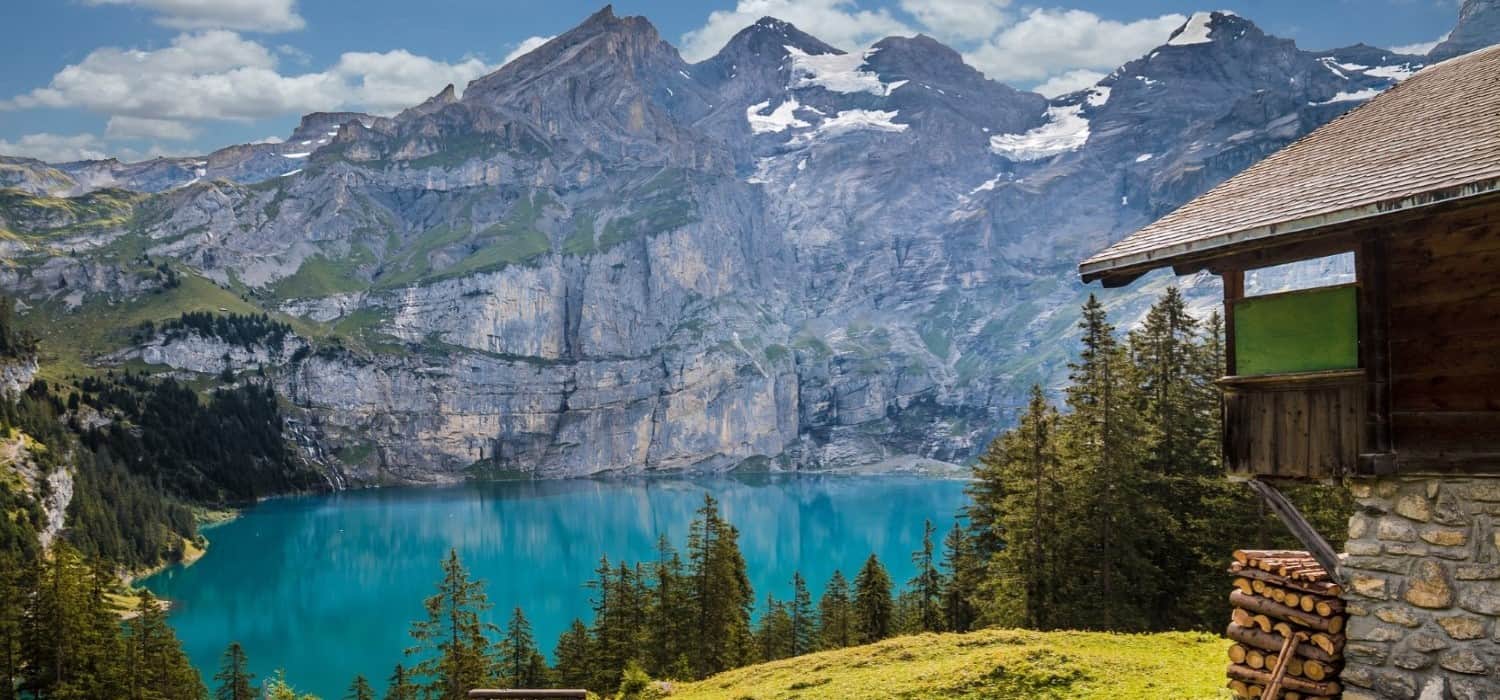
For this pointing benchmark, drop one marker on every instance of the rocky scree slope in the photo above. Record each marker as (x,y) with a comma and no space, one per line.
(601,258)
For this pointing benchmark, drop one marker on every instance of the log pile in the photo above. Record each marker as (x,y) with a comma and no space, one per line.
(1287,627)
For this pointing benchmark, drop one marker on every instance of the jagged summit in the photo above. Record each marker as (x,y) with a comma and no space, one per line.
(770,36)
(603,42)
(1210,27)
(446,97)
(1478,26)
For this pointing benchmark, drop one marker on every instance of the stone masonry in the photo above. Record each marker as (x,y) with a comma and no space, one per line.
(1423,578)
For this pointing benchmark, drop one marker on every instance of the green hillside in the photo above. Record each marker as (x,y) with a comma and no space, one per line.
(998,664)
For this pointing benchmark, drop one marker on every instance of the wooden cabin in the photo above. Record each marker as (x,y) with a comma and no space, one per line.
(1398,371)
(1388,382)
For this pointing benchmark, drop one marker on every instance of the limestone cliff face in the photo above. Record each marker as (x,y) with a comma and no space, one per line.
(600,258)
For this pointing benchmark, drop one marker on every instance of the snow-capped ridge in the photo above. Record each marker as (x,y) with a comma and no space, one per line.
(1199,28)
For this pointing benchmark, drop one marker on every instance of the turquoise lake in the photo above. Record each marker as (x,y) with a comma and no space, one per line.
(326,586)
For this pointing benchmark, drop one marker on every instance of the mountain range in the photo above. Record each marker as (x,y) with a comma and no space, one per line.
(601,258)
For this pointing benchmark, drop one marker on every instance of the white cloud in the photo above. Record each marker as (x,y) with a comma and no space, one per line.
(839,22)
(391,81)
(526,46)
(960,20)
(1071,81)
(55,148)
(247,15)
(220,75)
(125,128)
(1420,48)
(1051,42)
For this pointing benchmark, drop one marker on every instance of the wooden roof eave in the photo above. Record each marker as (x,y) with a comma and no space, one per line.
(1304,233)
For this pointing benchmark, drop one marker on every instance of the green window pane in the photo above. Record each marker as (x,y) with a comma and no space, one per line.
(1304,331)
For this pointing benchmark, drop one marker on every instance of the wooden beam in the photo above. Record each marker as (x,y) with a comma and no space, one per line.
(1370,264)
(1234,290)
(1301,529)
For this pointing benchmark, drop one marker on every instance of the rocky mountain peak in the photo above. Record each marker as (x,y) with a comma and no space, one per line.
(770,37)
(920,56)
(317,125)
(444,98)
(1217,27)
(604,44)
(1478,26)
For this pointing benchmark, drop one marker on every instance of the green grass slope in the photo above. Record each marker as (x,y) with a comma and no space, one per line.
(999,664)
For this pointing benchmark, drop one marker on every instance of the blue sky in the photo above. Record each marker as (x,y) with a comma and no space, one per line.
(137,78)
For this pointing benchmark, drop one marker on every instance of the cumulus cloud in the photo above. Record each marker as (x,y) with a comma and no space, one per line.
(1071,81)
(220,75)
(526,46)
(391,81)
(1421,48)
(123,127)
(247,15)
(961,20)
(839,22)
(55,148)
(1048,43)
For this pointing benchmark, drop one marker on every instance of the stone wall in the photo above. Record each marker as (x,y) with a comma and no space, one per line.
(1423,573)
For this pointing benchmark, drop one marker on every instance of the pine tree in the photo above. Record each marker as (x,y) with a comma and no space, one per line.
(574,655)
(1110,578)
(803,618)
(451,641)
(400,686)
(872,602)
(158,666)
(100,667)
(773,639)
(1019,479)
(618,614)
(927,585)
(669,613)
(360,690)
(836,627)
(516,652)
(277,688)
(1166,352)
(961,585)
(12,622)
(721,593)
(234,677)
(906,613)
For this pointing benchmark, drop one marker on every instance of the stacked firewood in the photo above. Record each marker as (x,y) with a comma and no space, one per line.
(1287,627)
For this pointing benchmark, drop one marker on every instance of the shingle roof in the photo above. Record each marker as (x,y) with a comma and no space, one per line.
(1434,137)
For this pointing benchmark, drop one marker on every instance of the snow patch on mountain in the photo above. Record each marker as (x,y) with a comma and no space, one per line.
(780,119)
(1066,130)
(1347,96)
(837,72)
(861,120)
(1396,73)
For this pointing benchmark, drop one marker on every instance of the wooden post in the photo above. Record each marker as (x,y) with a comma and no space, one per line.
(1374,348)
(1234,290)
(1303,530)
(1274,688)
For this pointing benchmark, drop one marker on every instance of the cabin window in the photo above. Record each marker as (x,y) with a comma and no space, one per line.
(1326,271)
(1300,317)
